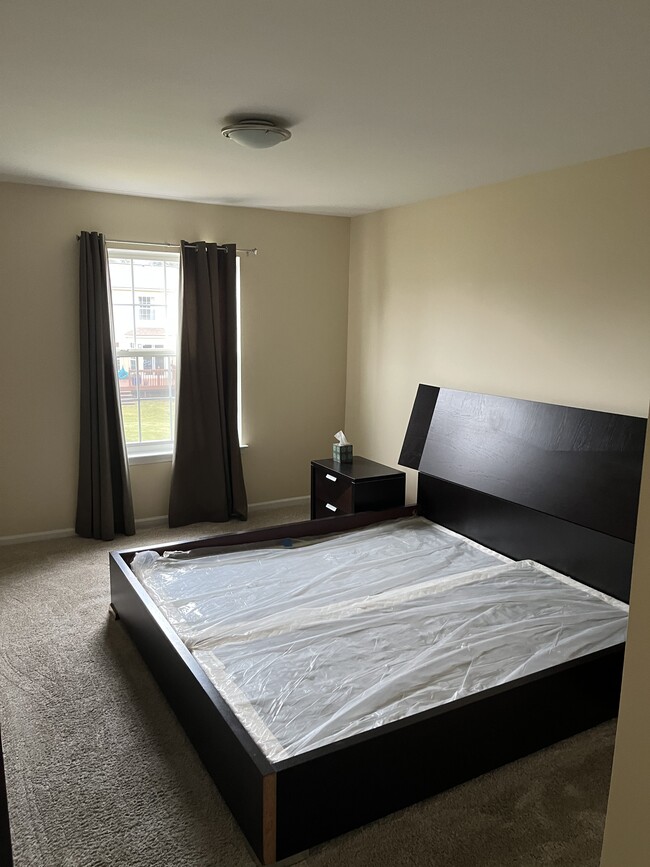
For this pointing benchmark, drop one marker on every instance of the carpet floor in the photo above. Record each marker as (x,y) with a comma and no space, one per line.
(99,772)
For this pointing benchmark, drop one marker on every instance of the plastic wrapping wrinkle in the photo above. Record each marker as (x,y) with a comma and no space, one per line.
(206,595)
(300,616)
(338,635)
(296,690)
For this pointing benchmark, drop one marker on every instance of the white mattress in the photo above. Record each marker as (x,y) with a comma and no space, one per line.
(325,643)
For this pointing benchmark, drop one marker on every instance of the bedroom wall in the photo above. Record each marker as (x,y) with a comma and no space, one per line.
(536,288)
(627,830)
(294,325)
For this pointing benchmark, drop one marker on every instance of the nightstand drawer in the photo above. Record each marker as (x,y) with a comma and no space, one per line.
(329,487)
(325,509)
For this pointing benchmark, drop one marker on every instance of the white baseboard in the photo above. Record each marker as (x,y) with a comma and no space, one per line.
(36,537)
(140,524)
(144,523)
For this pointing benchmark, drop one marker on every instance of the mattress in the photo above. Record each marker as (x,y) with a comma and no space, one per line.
(320,641)
(204,595)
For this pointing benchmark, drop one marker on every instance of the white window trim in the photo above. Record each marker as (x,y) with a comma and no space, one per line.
(150,457)
(151,451)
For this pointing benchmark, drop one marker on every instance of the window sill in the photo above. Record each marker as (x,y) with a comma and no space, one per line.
(150,458)
(158,457)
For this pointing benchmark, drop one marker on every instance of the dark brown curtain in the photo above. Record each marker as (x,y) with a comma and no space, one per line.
(207,479)
(104,505)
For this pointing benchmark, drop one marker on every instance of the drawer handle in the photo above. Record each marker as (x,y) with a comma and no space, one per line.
(331,508)
(330,478)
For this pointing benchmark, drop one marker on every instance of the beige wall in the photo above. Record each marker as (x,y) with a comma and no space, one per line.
(294,320)
(627,831)
(536,288)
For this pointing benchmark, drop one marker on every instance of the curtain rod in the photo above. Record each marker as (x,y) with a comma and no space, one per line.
(251,251)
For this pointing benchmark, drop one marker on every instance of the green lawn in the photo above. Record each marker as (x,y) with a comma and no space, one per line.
(155,420)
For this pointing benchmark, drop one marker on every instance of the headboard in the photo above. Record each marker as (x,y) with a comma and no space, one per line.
(555,484)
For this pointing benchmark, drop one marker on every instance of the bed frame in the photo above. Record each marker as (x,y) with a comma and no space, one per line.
(530,480)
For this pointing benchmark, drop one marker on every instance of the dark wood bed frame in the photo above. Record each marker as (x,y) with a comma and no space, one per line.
(530,480)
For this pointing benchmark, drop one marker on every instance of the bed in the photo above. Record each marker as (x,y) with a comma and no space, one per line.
(486,623)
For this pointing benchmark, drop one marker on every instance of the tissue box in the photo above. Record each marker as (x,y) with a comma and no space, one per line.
(342,454)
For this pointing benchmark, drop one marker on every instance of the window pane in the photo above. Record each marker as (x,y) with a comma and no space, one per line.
(130,420)
(156,420)
(148,274)
(153,323)
(152,380)
(120,273)
(123,325)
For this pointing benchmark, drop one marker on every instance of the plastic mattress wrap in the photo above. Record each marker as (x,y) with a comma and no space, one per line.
(311,641)
(320,676)
(204,595)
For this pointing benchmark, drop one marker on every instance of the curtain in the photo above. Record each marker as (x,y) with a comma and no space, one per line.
(104,505)
(207,479)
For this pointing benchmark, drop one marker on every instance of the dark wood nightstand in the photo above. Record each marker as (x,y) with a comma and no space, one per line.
(360,486)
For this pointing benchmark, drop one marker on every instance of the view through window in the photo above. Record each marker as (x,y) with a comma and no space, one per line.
(145,295)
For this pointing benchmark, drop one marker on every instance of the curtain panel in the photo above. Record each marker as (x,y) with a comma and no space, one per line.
(104,504)
(207,478)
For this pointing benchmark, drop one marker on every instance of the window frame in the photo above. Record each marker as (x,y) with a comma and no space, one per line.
(149,451)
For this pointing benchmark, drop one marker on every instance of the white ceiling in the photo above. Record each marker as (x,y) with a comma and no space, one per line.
(388,102)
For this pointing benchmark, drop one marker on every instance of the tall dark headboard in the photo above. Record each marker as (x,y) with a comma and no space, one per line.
(555,484)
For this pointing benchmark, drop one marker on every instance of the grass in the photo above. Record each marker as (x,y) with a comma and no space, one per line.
(155,417)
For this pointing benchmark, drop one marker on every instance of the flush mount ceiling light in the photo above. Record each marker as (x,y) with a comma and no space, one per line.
(256,133)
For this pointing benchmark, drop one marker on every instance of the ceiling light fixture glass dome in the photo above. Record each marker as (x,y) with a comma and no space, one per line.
(256,133)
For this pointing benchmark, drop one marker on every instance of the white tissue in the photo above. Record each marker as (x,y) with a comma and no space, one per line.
(340,436)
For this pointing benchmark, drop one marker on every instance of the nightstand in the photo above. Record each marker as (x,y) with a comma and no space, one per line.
(359,486)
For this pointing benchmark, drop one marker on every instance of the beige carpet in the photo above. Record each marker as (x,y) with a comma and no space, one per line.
(100,773)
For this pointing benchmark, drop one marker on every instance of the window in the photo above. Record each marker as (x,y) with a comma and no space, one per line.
(145,296)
